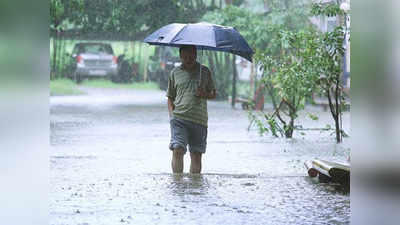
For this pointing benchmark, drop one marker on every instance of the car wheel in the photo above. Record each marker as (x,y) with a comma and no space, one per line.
(115,78)
(126,72)
(78,78)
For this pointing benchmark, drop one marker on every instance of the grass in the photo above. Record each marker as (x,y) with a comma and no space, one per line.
(102,83)
(65,86)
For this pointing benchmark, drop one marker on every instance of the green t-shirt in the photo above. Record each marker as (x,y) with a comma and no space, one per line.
(182,87)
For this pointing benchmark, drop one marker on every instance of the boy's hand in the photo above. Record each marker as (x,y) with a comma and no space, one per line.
(201,93)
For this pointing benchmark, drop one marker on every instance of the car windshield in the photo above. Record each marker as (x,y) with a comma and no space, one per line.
(96,49)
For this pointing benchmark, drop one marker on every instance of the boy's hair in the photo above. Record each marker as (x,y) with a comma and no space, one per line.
(184,47)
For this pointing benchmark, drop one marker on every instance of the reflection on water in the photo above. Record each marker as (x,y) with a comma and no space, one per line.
(188,184)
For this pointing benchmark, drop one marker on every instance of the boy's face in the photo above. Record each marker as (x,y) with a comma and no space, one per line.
(188,58)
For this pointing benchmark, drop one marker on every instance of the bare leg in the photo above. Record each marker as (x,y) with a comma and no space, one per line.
(177,160)
(195,162)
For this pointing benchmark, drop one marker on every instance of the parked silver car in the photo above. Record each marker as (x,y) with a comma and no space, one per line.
(93,60)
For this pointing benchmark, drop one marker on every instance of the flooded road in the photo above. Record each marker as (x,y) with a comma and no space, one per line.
(110,164)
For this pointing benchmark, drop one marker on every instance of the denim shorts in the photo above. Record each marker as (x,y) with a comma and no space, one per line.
(184,133)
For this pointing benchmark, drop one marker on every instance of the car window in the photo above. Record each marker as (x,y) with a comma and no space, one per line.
(109,49)
(96,48)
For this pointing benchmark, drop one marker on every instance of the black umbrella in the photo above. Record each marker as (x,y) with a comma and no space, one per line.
(204,36)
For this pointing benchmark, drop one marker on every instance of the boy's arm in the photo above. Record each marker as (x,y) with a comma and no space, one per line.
(211,92)
(171,94)
(171,106)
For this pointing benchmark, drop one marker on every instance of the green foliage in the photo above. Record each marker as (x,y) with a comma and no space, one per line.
(300,61)
(274,126)
(56,11)
(107,20)
(64,87)
(278,37)
(292,14)
(292,74)
(251,26)
(329,9)
(312,116)
(260,125)
(121,18)
(65,12)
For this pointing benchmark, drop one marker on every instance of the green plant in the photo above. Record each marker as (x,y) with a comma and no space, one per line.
(329,64)
(62,86)
(292,75)
(299,63)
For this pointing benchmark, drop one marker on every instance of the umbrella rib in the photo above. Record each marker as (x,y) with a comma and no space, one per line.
(172,39)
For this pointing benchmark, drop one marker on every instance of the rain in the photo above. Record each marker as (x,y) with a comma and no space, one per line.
(275,110)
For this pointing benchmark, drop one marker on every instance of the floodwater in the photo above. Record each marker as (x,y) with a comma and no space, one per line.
(110,164)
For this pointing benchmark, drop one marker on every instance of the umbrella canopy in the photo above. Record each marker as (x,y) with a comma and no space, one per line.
(205,36)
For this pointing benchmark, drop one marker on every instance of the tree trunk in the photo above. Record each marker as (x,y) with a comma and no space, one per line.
(219,82)
(227,70)
(217,64)
(227,62)
(200,6)
(289,128)
(338,111)
(140,61)
(54,58)
(214,71)
(62,57)
(211,63)
(146,61)
(234,81)
(292,114)
(335,111)
(55,54)
(133,51)
(338,133)
(58,56)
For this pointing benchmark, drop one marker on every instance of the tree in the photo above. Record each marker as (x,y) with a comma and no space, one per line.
(281,39)
(292,75)
(123,19)
(331,51)
(303,62)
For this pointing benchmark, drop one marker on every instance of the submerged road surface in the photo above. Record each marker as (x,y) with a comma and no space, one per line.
(110,164)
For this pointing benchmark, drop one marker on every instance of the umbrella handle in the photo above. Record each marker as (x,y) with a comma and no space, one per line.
(201,78)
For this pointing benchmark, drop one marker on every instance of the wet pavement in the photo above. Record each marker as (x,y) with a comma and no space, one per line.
(110,164)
